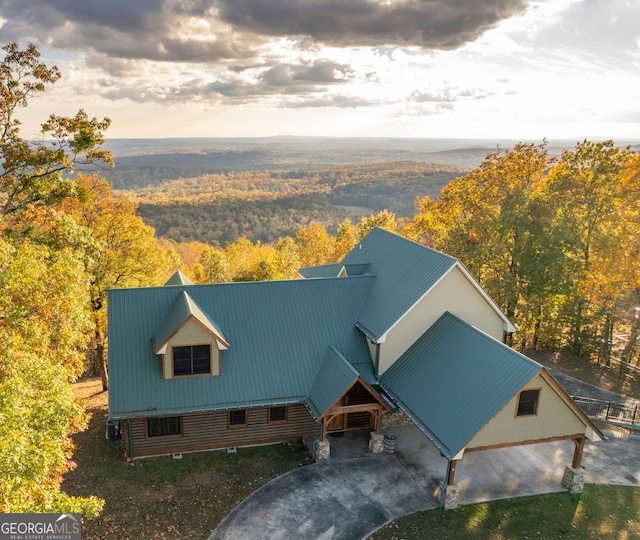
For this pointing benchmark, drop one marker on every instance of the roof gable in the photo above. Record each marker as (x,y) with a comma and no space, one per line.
(183,310)
(333,379)
(178,279)
(454,379)
(404,270)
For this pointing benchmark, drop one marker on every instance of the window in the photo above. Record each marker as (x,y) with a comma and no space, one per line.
(528,402)
(238,418)
(277,415)
(191,360)
(164,427)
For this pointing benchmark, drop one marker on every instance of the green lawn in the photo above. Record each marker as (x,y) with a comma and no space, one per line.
(603,512)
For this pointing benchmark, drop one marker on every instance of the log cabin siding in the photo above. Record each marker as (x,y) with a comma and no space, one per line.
(209,431)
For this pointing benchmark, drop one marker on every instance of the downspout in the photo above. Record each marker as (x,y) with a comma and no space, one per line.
(130,440)
(445,483)
(377,359)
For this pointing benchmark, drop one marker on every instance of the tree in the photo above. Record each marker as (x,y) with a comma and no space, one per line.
(384,219)
(43,327)
(124,252)
(346,239)
(215,266)
(590,177)
(32,174)
(315,246)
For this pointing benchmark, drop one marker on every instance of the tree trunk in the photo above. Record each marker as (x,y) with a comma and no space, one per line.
(102,361)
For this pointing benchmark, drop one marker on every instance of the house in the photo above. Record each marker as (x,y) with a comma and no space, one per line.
(394,325)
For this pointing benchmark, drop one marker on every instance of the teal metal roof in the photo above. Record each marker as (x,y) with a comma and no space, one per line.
(322,271)
(178,279)
(279,333)
(334,378)
(404,270)
(454,379)
(184,308)
(356,269)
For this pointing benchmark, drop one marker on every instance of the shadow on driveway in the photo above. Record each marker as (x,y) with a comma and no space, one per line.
(338,500)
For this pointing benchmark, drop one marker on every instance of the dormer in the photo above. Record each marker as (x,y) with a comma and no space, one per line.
(353,270)
(189,341)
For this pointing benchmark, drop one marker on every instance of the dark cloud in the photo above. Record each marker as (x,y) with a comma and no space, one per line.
(432,24)
(158,30)
(163,30)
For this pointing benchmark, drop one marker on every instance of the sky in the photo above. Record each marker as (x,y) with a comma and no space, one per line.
(367,68)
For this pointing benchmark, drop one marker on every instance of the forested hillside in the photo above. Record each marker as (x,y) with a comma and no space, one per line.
(266,205)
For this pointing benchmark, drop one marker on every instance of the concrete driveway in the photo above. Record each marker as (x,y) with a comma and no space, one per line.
(344,499)
(351,497)
(348,499)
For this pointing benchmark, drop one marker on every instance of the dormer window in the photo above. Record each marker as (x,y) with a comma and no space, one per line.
(191,360)
(189,341)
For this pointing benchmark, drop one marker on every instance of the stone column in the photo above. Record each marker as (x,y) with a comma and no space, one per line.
(451,496)
(376,443)
(573,479)
(323,451)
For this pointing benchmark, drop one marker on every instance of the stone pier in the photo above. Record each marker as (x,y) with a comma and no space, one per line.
(376,443)
(573,479)
(323,451)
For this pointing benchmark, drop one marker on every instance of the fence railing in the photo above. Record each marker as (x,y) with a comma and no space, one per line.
(620,413)
(630,369)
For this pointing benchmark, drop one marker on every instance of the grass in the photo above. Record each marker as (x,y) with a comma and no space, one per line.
(162,497)
(601,512)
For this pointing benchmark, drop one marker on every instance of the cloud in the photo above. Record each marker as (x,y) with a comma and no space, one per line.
(429,24)
(597,33)
(213,31)
(449,95)
(234,85)
(157,30)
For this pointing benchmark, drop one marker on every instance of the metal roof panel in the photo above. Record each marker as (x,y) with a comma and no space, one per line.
(279,333)
(455,379)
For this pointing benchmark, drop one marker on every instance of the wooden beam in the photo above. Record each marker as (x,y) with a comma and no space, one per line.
(346,409)
(573,437)
(452,472)
(577,453)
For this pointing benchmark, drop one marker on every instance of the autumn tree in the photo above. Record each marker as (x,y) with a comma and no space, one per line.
(586,186)
(43,331)
(315,245)
(124,251)
(215,266)
(385,220)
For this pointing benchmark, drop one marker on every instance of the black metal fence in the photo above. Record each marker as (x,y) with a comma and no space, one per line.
(620,413)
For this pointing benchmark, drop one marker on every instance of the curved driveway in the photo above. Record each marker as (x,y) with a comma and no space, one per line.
(338,500)
(351,498)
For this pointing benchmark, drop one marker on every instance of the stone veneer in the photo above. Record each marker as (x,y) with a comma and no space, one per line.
(573,479)
(323,451)
(376,443)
